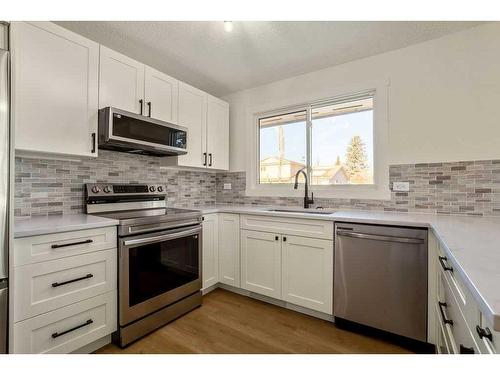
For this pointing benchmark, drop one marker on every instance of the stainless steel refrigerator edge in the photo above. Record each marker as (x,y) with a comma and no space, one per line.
(381,278)
(4,182)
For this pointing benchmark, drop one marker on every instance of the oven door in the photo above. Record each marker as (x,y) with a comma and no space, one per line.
(157,269)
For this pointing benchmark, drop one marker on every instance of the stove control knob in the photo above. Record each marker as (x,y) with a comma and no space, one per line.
(95,189)
(107,189)
(160,189)
(152,189)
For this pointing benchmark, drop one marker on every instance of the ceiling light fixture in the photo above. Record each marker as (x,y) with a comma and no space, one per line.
(228,26)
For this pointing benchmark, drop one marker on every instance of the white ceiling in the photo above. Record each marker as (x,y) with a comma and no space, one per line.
(254,53)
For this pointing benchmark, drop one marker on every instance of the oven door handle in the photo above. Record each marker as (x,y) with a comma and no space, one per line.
(165,237)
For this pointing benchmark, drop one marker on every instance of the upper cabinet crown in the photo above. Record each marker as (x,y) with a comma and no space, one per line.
(132,86)
(54,89)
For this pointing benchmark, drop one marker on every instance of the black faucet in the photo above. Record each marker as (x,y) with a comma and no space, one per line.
(307,200)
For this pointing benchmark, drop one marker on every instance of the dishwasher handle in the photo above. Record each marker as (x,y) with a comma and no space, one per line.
(377,237)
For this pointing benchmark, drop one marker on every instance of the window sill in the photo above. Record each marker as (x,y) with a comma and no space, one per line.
(335,192)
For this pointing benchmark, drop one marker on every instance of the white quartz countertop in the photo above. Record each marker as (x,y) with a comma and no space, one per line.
(33,226)
(472,242)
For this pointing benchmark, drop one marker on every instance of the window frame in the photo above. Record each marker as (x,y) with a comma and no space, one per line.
(380,187)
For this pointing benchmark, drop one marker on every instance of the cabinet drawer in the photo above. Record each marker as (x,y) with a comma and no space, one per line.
(461,293)
(452,317)
(69,328)
(36,249)
(42,287)
(299,227)
(487,339)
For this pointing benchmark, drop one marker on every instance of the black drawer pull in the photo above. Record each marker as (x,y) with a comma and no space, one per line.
(445,320)
(484,332)
(465,350)
(88,276)
(56,246)
(57,334)
(445,267)
(93,144)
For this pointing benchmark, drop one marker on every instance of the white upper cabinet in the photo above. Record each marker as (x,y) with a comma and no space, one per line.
(217,133)
(160,95)
(54,89)
(121,82)
(193,115)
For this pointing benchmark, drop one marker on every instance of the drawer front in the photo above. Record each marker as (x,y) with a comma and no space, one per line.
(487,339)
(69,328)
(42,287)
(461,293)
(29,250)
(461,335)
(299,227)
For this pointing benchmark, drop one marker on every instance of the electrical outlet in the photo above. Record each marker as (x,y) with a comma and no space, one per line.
(227,186)
(401,186)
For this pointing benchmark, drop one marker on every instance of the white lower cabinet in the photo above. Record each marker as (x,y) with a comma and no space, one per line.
(229,249)
(210,251)
(69,328)
(261,263)
(307,278)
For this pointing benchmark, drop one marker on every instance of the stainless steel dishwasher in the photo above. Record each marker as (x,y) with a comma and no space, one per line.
(381,278)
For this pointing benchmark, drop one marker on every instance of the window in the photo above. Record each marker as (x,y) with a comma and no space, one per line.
(332,140)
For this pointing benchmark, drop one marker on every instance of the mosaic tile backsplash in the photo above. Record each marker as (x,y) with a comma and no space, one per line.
(53,187)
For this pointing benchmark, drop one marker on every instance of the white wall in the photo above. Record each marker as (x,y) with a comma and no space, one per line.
(443,98)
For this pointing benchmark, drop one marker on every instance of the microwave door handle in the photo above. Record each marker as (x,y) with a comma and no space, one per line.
(165,237)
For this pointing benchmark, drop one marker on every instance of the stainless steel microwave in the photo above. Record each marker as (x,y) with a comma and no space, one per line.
(125,131)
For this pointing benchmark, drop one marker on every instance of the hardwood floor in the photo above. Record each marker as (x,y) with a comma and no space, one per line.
(231,323)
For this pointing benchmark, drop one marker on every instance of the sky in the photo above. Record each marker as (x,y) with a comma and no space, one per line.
(330,137)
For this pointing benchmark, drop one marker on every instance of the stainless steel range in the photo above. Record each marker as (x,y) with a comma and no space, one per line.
(159,256)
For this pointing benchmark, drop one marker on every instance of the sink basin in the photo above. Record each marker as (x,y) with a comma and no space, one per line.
(304,211)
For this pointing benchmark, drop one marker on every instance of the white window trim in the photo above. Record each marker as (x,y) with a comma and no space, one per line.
(380,187)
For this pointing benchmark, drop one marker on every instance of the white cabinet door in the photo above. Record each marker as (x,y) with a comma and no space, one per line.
(121,82)
(210,272)
(217,133)
(54,89)
(261,263)
(160,95)
(229,249)
(308,272)
(192,114)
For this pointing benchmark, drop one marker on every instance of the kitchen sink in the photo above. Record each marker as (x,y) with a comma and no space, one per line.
(304,211)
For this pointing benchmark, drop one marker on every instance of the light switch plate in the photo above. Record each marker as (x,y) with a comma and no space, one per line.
(227,186)
(401,186)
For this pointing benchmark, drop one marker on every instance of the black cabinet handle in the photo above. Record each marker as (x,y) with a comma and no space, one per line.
(284,239)
(205,158)
(141,104)
(441,309)
(56,246)
(465,350)
(445,267)
(87,276)
(276,238)
(149,110)
(93,143)
(57,334)
(484,332)
(210,157)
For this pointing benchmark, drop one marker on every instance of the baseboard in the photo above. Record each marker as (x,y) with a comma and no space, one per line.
(93,346)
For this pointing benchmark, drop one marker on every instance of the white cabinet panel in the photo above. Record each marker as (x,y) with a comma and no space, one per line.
(161,95)
(229,249)
(210,272)
(217,133)
(192,114)
(54,89)
(308,272)
(46,286)
(121,82)
(261,263)
(73,326)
